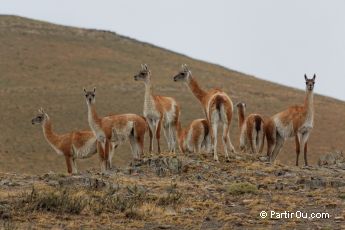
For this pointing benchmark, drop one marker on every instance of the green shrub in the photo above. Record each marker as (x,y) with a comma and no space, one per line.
(240,188)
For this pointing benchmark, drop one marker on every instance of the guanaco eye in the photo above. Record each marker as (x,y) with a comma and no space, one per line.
(182,74)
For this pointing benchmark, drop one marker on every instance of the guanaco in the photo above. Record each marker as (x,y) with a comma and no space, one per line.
(217,106)
(252,130)
(73,145)
(102,128)
(159,111)
(195,137)
(297,121)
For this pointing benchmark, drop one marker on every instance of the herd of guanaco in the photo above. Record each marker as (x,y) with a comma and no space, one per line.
(107,133)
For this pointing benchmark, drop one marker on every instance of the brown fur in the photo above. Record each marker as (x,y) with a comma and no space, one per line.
(253,123)
(212,101)
(64,142)
(270,134)
(119,122)
(200,131)
(156,110)
(302,119)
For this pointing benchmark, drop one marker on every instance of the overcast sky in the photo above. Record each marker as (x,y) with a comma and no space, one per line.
(274,40)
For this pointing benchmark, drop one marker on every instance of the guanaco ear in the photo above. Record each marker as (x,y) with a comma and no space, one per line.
(185,68)
(142,67)
(94,89)
(84,90)
(145,67)
(42,110)
(305,77)
(314,77)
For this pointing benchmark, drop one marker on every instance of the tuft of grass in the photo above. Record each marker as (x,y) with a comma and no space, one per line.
(342,196)
(123,202)
(133,214)
(61,201)
(172,198)
(240,188)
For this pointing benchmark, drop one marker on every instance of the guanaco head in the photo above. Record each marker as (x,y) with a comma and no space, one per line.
(90,96)
(241,106)
(144,74)
(184,75)
(310,82)
(40,117)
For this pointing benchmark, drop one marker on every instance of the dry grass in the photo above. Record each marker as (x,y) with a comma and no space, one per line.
(226,197)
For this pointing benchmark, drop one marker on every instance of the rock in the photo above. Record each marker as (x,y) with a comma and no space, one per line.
(337,183)
(133,170)
(164,165)
(164,227)
(187,210)
(170,211)
(238,158)
(260,173)
(89,182)
(280,173)
(331,159)
(199,177)
(279,185)
(262,186)
(339,218)
(264,158)
(9,183)
(316,182)
(246,202)
(331,205)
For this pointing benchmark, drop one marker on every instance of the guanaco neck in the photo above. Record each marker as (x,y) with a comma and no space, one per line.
(148,90)
(94,120)
(309,102)
(51,137)
(240,117)
(198,92)
(149,104)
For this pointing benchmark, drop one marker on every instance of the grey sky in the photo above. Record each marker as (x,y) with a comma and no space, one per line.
(274,40)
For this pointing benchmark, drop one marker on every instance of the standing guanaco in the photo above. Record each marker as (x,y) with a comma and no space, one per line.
(73,145)
(102,128)
(217,107)
(159,111)
(297,121)
(252,130)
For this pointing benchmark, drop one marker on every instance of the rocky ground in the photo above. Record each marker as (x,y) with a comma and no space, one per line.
(183,192)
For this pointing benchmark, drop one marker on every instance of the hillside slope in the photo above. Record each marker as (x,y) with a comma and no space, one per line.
(47,65)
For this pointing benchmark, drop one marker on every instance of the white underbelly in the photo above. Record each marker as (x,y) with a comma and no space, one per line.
(169,116)
(58,151)
(86,150)
(285,131)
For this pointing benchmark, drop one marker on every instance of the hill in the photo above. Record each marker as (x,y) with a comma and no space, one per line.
(47,65)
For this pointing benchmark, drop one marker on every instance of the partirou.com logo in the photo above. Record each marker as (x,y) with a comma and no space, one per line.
(293,215)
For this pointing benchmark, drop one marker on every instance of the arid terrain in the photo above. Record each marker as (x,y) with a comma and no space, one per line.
(168,192)
(47,65)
